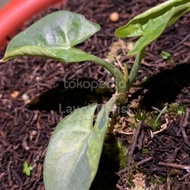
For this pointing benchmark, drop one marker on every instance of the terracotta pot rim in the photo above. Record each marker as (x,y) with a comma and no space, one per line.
(15,13)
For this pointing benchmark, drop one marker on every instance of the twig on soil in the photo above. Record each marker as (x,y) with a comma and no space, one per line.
(185,176)
(173,165)
(25,143)
(9,174)
(122,171)
(168,183)
(163,127)
(17,177)
(131,151)
(144,161)
(141,138)
(184,119)
(183,124)
(119,187)
(181,42)
(187,142)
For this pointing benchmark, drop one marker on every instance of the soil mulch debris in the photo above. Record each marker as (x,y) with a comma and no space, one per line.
(29,84)
(162,156)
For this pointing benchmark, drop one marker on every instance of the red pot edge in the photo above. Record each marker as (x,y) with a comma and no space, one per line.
(17,12)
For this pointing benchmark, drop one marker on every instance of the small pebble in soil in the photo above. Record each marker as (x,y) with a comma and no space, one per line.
(26,98)
(14,94)
(114,17)
(33,134)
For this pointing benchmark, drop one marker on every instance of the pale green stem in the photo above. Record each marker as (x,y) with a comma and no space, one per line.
(111,102)
(121,84)
(135,68)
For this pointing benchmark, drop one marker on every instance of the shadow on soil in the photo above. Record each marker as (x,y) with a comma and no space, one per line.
(106,177)
(164,87)
(161,88)
(70,95)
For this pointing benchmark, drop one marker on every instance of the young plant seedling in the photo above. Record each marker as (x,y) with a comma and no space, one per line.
(27,169)
(165,55)
(75,147)
(176,108)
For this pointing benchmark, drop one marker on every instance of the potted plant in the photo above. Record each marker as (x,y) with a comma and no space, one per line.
(77,140)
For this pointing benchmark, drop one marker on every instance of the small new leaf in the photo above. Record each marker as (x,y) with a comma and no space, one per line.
(165,55)
(151,24)
(27,169)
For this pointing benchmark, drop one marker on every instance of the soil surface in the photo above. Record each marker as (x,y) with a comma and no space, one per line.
(33,100)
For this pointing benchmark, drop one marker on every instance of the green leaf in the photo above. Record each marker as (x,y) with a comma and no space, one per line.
(54,36)
(151,24)
(165,55)
(75,148)
(27,169)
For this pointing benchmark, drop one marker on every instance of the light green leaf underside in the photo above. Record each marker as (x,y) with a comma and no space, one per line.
(74,149)
(54,36)
(151,24)
(53,52)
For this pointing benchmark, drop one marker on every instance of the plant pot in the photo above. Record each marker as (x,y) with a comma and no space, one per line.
(16,12)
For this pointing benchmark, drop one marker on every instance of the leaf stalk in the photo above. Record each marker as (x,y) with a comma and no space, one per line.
(121,83)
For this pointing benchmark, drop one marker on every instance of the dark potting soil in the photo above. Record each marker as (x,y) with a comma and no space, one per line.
(32,101)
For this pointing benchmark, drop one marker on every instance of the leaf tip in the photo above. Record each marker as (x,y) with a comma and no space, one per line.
(131,53)
(117,33)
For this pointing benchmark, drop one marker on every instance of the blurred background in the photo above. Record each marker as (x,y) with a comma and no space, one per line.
(3,2)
